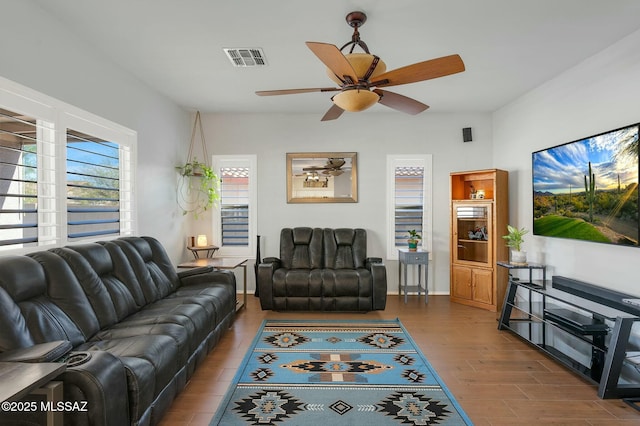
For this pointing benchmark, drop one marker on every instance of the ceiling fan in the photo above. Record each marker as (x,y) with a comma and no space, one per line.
(361,75)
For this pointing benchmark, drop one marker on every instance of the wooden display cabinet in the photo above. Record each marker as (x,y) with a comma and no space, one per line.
(479,217)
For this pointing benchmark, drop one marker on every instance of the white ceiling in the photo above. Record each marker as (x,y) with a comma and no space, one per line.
(508,46)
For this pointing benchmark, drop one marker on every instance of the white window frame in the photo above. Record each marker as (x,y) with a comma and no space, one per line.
(52,211)
(410,160)
(250,161)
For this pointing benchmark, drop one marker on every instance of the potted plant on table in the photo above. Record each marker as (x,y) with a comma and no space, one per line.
(413,240)
(514,241)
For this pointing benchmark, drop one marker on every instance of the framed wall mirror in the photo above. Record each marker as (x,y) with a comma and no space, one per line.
(322,177)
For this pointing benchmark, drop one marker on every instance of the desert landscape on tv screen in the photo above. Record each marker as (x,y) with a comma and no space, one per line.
(588,189)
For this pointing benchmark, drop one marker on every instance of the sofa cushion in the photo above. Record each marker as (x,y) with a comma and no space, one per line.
(110,299)
(14,332)
(151,265)
(38,303)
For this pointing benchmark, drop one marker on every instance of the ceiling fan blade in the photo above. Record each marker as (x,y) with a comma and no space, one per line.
(331,56)
(400,102)
(295,91)
(421,71)
(334,112)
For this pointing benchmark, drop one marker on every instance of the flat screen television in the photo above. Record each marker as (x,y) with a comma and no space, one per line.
(588,189)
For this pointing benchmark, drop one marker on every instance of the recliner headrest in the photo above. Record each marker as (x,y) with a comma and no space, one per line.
(344,236)
(302,235)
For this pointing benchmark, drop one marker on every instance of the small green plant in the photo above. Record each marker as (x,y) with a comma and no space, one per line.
(414,236)
(514,237)
(413,239)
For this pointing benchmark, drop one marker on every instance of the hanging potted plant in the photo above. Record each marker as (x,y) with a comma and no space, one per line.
(198,188)
(413,240)
(514,241)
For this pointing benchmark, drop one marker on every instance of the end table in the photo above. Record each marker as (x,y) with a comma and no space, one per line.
(419,257)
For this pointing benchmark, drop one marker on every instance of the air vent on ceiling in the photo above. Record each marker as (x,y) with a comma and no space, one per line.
(246,57)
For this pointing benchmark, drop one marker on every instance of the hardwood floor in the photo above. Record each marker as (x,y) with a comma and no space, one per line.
(497,378)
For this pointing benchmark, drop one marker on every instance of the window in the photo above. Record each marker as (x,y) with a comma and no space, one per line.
(65,175)
(409,201)
(236,214)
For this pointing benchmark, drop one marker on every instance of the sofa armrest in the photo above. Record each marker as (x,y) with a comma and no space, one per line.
(101,380)
(194,271)
(213,276)
(42,352)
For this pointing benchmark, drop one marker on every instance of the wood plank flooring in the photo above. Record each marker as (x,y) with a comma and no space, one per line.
(497,378)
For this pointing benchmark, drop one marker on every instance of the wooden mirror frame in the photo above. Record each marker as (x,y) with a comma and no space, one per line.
(296,161)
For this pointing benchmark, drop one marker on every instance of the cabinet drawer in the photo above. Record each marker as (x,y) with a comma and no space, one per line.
(411,258)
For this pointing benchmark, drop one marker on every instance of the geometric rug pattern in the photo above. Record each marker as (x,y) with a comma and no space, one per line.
(336,373)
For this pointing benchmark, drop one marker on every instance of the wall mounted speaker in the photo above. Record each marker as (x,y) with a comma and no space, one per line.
(466,134)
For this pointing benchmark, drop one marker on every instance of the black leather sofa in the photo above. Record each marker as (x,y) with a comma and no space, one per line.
(131,328)
(322,270)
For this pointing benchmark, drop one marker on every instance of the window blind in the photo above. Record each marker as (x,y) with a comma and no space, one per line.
(93,186)
(234,205)
(18,179)
(409,202)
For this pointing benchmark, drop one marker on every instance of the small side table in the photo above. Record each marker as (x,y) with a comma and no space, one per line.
(208,250)
(420,258)
(230,263)
(18,379)
(529,266)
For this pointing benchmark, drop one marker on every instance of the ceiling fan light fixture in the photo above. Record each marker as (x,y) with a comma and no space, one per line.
(361,62)
(356,100)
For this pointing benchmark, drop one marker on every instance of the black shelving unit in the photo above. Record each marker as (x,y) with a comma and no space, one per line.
(530,267)
(588,337)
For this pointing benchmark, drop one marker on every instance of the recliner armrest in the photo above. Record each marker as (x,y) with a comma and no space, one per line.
(42,352)
(273,260)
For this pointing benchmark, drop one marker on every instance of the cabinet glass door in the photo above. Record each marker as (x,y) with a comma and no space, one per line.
(472,233)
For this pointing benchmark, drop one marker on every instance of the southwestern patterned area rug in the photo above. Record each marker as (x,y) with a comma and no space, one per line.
(337,373)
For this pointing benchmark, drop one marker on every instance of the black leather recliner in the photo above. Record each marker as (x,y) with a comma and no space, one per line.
(322,270)
(141,326)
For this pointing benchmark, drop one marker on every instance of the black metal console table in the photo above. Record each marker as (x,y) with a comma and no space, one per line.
(562,324)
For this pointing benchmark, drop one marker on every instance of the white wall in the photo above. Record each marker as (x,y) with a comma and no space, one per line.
(372,135)
(38,52)
(597,95)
